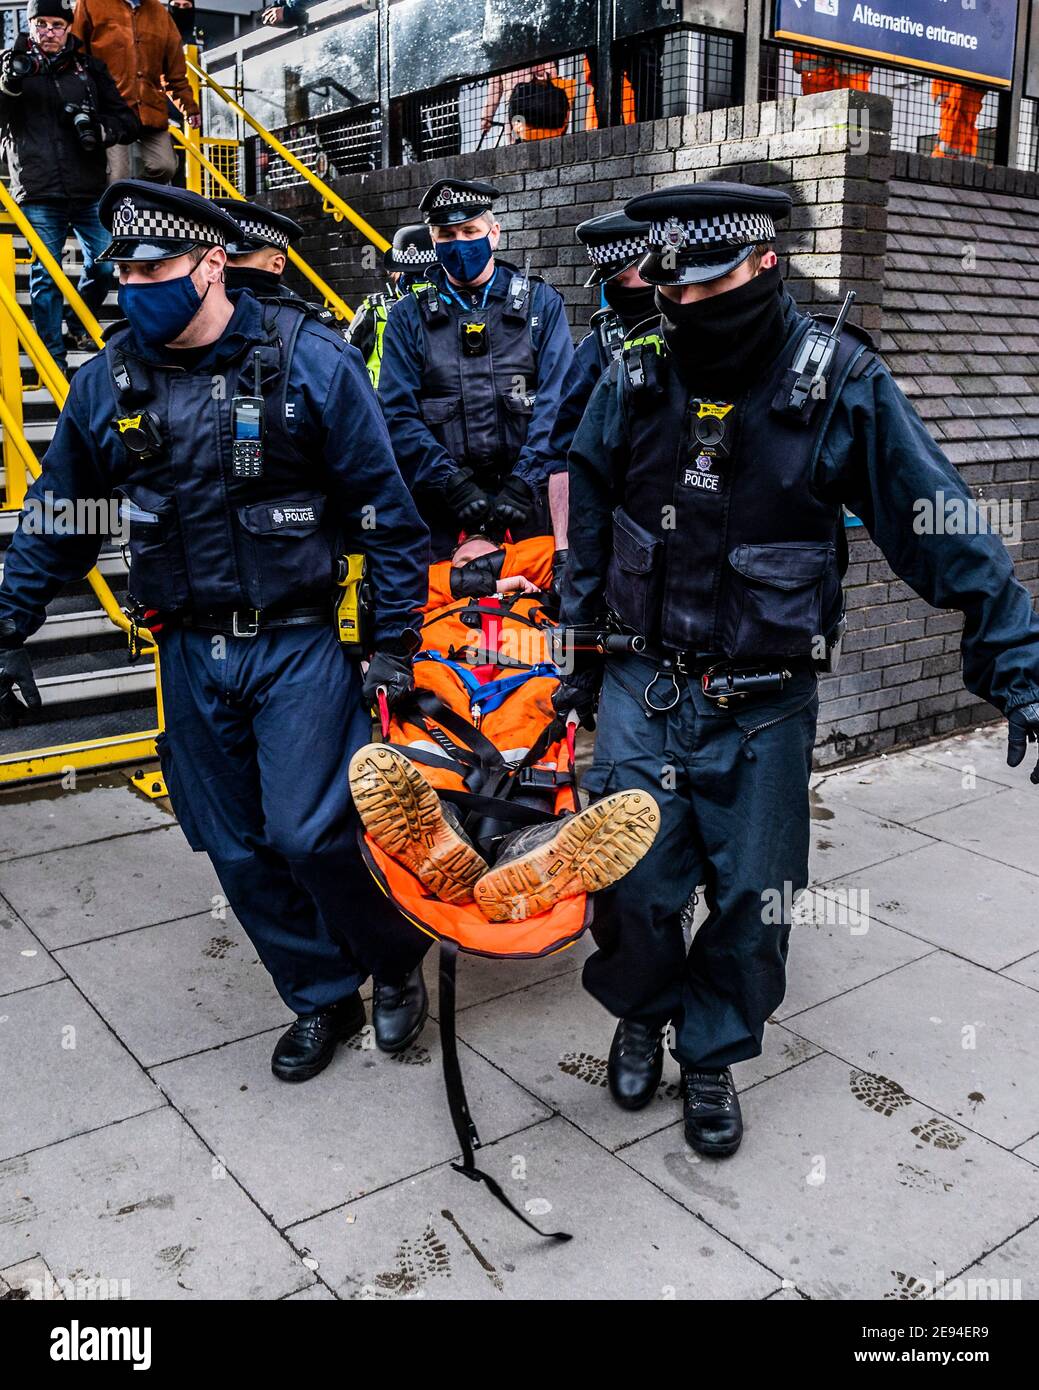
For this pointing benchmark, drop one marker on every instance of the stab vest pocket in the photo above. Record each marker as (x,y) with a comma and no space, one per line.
(516,413)
(778,597)
(285,551)
(635,574)
(443,415)
(158,568)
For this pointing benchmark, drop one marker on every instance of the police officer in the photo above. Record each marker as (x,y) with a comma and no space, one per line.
(238,511)
(706,481)
(409,258)
(474,361)
(615,244)
(258,255)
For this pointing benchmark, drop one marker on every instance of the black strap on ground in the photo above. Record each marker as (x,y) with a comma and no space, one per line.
(458,1105)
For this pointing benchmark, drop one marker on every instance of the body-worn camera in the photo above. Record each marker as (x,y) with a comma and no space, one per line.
(83,123)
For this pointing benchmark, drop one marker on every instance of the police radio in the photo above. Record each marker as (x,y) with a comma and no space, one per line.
(247,421)
(813,360)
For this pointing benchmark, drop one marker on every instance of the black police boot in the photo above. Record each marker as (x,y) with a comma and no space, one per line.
(713,1121)
(399,1011)
(309,1045)
(636,1064)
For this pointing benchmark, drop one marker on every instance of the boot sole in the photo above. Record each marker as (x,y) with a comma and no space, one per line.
(401,812)
(593,849)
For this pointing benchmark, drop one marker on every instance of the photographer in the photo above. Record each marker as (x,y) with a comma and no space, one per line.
(59,111)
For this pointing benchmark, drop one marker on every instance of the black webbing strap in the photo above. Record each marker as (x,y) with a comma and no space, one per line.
(457,1103)
(497,807)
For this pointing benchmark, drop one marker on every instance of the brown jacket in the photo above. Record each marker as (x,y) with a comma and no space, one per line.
(142,50)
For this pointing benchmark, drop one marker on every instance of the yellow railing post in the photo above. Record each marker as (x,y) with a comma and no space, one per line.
(333,203)
(10,388)
(49,264)
(192,135)
(332,301)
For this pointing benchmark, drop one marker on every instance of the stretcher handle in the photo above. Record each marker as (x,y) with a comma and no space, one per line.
(384,711)
(571,734)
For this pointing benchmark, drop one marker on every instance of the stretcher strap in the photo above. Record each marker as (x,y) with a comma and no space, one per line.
(457,1102)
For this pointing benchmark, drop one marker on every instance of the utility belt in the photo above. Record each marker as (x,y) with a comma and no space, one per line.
(250,622)
(720,680)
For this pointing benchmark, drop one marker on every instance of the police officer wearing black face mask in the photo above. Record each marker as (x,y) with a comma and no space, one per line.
(219,424)
(706,537)
(615,244)
(474,361)
(258,255)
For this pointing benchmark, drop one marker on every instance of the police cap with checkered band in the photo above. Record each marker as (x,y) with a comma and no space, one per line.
(702,231)
(456,200)
(154,222)
(412,249)
(258,227)
(613,242)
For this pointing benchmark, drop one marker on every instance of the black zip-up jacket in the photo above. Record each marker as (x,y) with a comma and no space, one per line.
(45,157)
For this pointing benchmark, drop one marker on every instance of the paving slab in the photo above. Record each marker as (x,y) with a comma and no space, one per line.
(366,1121)
(902,788)
(89,891)
(1001,827)
(1009,1272)
(554,1039)
(37,819)
(846,1186)
(65,1068)
(1025,971)
(1029,1150)
(23,961)
(955,899)
(981,751)
(142,1210)
(956,1037)
(834,946)
(177,988)
(846,840)
(439,1237)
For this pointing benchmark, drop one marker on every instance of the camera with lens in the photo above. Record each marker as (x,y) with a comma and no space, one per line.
(23,65)
(83,123)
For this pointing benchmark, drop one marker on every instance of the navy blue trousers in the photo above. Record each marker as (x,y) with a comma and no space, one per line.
(259,736)
(734,817)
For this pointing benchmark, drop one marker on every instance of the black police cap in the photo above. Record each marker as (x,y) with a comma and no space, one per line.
(614,242)
(258,227)
(412,249)
(154,222)
(456,200)
(702,231)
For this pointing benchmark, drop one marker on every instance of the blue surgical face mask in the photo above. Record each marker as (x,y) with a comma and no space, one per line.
(160,311)
(464,260)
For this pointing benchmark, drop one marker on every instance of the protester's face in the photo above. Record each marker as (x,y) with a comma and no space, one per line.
(472,549)
(691,294)
(49,35)
(472,230)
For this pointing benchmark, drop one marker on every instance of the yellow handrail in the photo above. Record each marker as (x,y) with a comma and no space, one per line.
(332,300)
(49,371)
(332,200)
(49,264)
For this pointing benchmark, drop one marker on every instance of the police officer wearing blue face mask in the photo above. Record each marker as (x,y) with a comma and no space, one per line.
(218,423)
(707,543)
(474,361)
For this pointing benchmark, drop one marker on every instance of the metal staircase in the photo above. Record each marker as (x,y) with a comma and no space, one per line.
(88,686)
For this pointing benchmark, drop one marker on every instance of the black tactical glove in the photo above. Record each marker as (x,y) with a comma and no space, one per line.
(512,506)
(1024,729)
(469,503)
(15,670)
(579,691)
(390,667)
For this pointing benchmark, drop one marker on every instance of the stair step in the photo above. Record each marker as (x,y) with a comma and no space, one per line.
(76,626)
(110,563)
(78,728)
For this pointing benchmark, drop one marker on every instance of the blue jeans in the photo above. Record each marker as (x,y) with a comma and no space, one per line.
(53,222)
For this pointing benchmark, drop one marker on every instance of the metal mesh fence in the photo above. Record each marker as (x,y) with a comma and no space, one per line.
(331,146)
(672,72)
(929,113)
(1027,155)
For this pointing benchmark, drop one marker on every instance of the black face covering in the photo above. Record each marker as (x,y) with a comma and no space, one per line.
(184,19)
(249,277)
(718,343)
(632,302)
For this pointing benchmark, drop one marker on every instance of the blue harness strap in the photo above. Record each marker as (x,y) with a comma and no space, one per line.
(488,695)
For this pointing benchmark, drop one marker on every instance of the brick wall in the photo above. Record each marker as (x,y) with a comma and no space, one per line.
(888,227)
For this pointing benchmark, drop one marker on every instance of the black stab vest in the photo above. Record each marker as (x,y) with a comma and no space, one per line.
(720,547)
(200,538)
